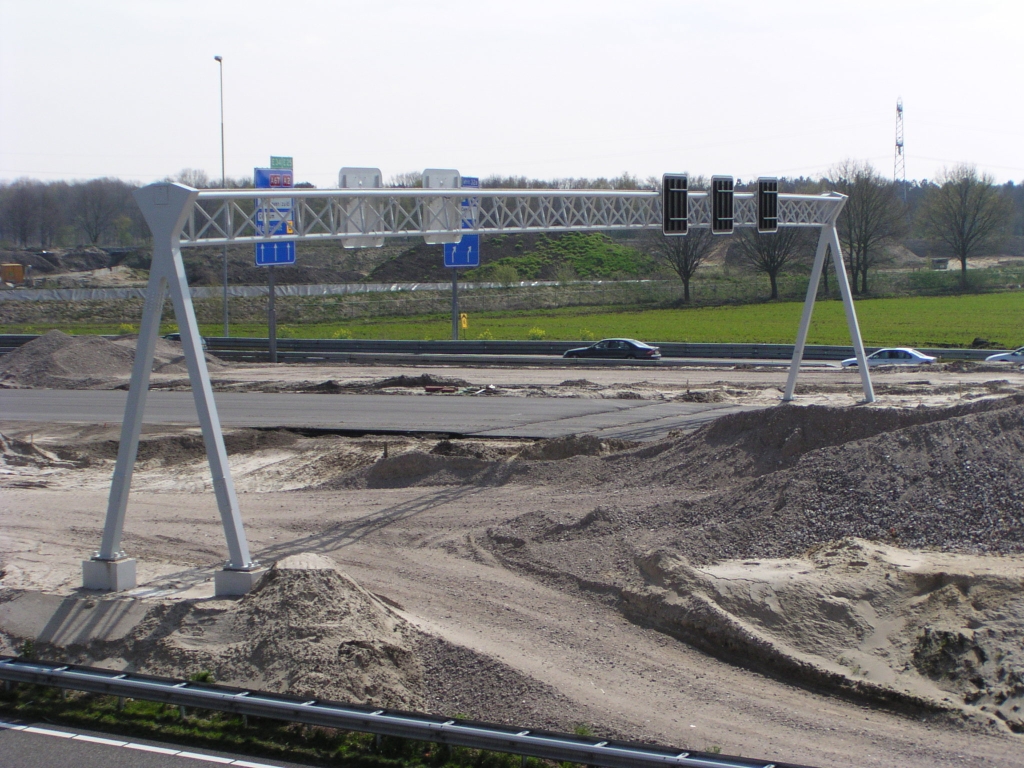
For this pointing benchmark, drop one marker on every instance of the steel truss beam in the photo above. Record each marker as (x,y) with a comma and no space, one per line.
(219,217)
(181,216)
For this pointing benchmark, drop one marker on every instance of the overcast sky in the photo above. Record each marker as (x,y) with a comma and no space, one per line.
(541,88)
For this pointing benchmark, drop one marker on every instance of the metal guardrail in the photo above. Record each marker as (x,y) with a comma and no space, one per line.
(669,349)
(545,745)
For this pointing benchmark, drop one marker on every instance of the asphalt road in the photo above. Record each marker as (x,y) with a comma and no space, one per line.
(482,416)
(41,745)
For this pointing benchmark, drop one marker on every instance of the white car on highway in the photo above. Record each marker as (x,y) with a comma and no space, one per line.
(1017,356)
(894,356)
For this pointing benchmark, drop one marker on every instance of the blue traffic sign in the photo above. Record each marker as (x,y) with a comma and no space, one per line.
(274,217)
(465,253)
(270,254)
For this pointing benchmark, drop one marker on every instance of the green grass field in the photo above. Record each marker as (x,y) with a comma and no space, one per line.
(946,321)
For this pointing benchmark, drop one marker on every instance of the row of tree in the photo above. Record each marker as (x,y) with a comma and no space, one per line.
(964,211)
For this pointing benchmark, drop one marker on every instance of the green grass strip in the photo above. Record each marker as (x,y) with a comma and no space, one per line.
(939,321)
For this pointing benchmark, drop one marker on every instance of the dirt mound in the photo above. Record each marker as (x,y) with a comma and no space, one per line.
(423,380)
(755,443)
(457,463)
(692,563)
(560,448)
(306,629)
(56,360)
(419,468)
(951,482)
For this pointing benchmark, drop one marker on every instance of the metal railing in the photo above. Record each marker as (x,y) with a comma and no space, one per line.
(545,745)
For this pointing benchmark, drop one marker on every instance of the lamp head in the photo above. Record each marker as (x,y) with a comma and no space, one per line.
(218,58)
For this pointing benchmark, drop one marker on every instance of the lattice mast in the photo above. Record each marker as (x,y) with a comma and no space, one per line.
(899,167)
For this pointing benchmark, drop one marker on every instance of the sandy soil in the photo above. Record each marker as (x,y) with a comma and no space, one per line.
(826,585)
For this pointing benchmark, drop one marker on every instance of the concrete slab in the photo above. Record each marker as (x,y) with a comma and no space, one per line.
(69,620)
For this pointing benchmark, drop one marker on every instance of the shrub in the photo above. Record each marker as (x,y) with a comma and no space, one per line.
(587,335)
(342,333)
(505,274)
(125,328)
(536,334)
(485,336)
(565,273)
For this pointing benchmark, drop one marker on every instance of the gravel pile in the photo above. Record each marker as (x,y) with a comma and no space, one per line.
(775,484)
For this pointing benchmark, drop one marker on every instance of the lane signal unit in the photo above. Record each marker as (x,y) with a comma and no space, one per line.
(674,203)
(721,205)
(767,204)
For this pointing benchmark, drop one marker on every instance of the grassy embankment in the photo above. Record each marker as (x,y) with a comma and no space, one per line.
(938,321)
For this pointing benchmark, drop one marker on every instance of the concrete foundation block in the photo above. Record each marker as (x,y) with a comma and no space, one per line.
(234,583)
(109,575)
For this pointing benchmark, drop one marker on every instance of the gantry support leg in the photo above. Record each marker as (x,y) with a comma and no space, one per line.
(828,240)
(166,207)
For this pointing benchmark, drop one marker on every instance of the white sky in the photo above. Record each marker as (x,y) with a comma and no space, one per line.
(541,88)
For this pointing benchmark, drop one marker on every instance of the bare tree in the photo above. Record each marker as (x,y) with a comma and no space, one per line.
(20,210)
(685,254)
(966,212)
(873,215)
(770,252)
(98,204)
(193,177)
(53,216)
(409,179)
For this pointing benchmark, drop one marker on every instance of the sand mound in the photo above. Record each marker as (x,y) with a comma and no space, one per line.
(874,621)
(56,360)
(306,629)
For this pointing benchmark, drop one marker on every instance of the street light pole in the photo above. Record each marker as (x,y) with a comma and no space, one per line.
(223,185)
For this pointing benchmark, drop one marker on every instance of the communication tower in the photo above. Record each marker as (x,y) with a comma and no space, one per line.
(899,168)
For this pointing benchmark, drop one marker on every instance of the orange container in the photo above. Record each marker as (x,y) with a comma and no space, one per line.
(12,273)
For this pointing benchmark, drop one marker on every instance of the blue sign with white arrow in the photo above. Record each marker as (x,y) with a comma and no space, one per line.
(274,217)
(466,252)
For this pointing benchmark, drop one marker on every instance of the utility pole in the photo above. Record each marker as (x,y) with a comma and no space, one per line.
(223,185)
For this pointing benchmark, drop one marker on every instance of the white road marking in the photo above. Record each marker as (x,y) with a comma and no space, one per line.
(4,725)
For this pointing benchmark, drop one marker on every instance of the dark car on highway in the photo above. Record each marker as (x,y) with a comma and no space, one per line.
(177,338)
(621,349)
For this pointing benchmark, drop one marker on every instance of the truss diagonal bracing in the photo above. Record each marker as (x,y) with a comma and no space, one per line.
(234,216)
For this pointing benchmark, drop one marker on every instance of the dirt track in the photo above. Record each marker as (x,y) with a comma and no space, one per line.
(572,584)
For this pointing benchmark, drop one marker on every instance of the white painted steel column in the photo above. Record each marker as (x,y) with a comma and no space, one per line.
(829,240)
(166,207)
(805,318)
(131,426)
(851,316)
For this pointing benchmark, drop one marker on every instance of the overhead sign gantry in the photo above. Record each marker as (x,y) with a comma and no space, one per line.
(181,217)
